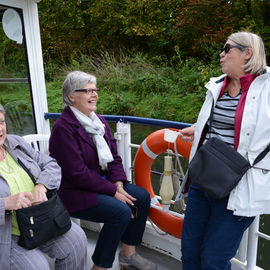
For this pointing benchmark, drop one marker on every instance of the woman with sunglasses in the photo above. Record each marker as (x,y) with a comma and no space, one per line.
(94,185)
(213,228)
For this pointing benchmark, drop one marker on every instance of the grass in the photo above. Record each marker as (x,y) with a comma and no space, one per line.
(131,85)
(138,86)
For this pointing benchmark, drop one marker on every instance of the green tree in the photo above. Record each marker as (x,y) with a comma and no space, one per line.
(108,24)
(61,25)
(203,24)
(155,27)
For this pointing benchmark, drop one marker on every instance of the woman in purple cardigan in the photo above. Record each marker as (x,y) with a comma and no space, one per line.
(94,185)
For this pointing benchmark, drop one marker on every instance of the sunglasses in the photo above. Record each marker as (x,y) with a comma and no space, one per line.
(228,46)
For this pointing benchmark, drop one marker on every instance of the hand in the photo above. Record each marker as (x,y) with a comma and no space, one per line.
(18,201)
(123,196)
(187,134)
(39,194)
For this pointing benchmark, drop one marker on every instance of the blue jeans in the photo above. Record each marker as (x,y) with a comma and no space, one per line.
(211,234)
(118,224)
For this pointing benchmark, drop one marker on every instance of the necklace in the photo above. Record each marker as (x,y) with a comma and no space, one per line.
(4,164)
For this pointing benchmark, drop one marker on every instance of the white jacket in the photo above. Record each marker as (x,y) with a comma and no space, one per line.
(251,196)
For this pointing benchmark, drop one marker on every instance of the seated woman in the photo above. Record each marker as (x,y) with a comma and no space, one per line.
(18,191)
(94,185)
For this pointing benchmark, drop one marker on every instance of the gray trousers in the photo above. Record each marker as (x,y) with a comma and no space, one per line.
(68,250)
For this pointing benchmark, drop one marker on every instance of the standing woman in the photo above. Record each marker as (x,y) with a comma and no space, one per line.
(18,191)
(213,229)
(94,185)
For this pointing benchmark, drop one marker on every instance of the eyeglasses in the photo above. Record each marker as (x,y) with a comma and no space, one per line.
(228,46)
(88,90)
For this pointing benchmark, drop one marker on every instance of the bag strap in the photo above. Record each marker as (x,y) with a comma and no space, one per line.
(261,155)
(211,119)
(49,193)
(258,158)
(27,171)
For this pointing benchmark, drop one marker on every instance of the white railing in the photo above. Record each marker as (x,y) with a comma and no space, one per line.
(246,256)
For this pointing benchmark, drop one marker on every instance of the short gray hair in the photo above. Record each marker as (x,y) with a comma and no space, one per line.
(257,63)
(2,110)
(75,80)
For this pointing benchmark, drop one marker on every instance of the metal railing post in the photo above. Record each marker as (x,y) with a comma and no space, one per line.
(123,137)
(253,244)
(242,251)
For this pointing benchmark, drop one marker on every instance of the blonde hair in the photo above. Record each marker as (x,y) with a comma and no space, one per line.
(257,62)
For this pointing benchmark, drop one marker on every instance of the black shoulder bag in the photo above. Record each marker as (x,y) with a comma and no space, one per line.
(216,168)
(42,222)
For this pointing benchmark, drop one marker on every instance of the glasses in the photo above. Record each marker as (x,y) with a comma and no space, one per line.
(88,90)
(228,46)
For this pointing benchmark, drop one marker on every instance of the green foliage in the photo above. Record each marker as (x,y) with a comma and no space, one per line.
(150,26)
(14,91)
(202,25)
(153,27)
(141,86)
(54,95)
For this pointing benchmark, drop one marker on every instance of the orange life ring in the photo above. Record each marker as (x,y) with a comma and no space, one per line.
(150,148)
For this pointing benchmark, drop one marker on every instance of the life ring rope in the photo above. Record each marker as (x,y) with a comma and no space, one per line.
(154,200)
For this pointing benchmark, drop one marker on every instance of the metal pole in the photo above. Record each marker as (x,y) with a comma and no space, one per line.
(242,251)
(123,138)
(253,244)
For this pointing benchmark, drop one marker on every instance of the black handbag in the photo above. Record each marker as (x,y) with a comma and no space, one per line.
(217,168)
(42,222)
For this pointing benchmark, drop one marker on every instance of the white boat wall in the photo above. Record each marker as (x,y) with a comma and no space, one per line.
(163,243)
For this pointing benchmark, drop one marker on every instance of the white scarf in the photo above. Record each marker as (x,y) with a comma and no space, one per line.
(95,128)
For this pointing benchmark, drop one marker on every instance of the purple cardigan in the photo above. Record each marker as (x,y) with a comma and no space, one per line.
(76,154)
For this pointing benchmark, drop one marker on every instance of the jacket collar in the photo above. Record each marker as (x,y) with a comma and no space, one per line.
(69,117)
(245,82)
(214,85)
(10,143)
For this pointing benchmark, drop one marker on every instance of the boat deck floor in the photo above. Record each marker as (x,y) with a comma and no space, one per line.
(163,261)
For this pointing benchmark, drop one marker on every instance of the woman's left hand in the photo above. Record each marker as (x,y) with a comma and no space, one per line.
(39,194)
(121,190)
(124,196)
